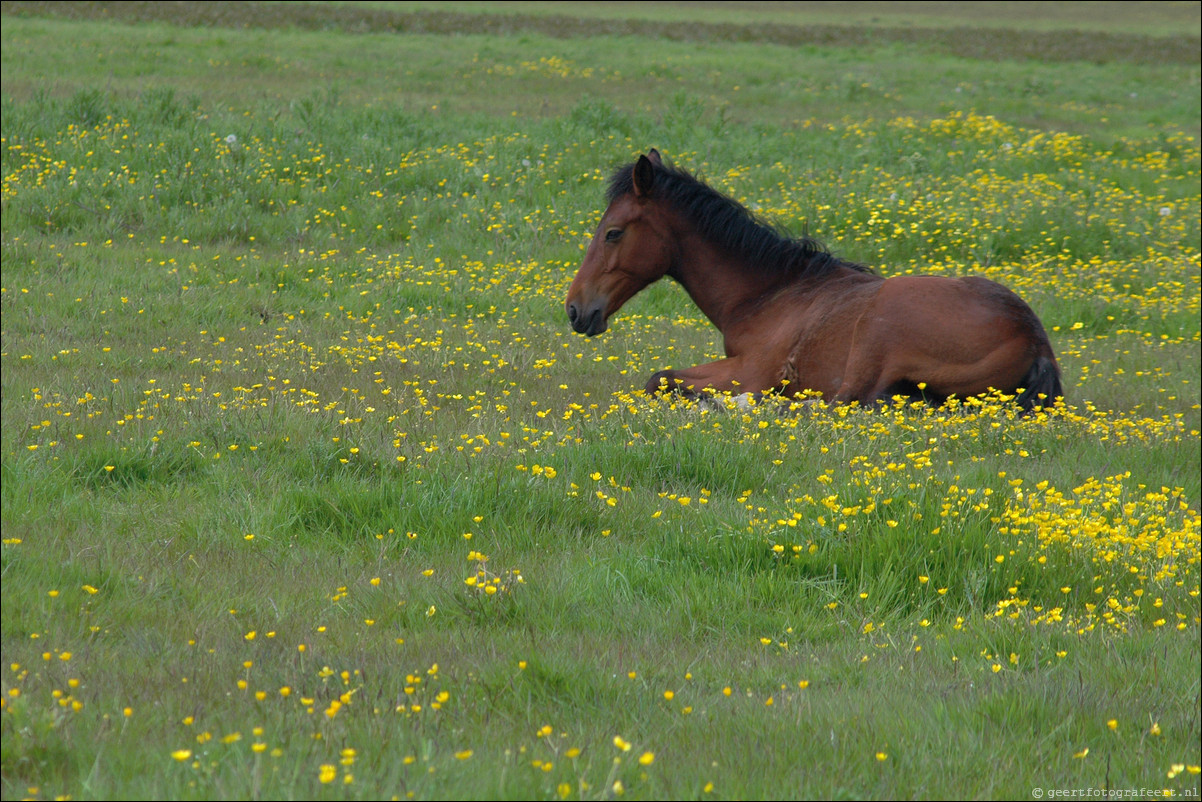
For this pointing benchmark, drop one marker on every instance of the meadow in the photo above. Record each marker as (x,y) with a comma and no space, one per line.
(309,491)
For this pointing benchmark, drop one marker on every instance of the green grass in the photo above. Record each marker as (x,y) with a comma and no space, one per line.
(288,387)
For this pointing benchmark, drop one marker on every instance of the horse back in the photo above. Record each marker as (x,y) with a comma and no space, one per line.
(970,310)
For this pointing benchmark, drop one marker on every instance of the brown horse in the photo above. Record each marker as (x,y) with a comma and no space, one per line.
(793,317)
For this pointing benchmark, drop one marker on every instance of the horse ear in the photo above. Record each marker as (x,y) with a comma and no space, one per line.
(643,176)
(653,155)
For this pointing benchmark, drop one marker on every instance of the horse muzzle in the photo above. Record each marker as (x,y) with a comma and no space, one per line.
(591,322)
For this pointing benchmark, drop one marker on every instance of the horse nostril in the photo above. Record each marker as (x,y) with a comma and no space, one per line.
(595,323)
(572,313)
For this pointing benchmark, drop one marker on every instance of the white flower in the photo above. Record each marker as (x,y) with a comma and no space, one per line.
(231,140)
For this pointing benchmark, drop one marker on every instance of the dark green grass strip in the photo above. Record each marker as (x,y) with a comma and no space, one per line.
(973,43)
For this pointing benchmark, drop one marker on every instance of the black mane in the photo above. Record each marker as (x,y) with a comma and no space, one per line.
(731,226)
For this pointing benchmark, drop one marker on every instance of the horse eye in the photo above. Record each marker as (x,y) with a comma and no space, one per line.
(613,235)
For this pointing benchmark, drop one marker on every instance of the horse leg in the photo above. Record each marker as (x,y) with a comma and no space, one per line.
(725,375)
(902,343)
(864,382)
(877,370)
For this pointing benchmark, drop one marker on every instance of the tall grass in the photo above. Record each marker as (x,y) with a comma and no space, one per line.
(309,491)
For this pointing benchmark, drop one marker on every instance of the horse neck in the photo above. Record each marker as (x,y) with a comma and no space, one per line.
(723,286)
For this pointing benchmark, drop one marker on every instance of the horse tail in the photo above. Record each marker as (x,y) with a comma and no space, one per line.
(1041,385)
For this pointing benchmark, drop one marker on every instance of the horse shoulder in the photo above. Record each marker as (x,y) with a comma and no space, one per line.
(823,329)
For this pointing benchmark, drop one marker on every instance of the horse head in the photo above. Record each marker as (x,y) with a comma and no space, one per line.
(630,249)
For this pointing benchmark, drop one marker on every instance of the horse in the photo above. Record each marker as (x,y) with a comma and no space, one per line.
(793,316)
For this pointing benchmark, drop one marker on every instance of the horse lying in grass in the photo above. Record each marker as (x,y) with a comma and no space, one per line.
(794,317)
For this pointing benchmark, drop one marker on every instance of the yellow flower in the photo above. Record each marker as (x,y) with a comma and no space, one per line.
(622,744)
(327,773)
(646,759)
(181,754)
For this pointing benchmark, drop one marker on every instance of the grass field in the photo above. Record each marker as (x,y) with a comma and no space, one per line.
(309,491)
